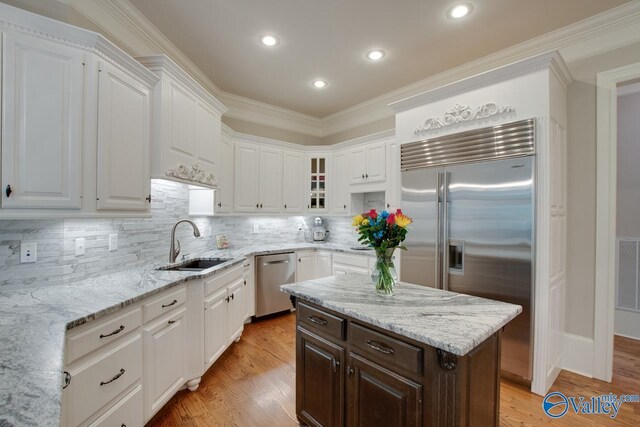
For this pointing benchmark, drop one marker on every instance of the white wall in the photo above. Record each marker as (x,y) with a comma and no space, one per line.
(627,323)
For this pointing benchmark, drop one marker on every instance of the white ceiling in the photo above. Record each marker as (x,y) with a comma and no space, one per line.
(328,39)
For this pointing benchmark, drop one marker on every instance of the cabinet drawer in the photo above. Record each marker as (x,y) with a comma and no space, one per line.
(384,349)
(95,384)
(87,340)
(321,321)
(164,303)
(223,279)
(352,260)
(127,412)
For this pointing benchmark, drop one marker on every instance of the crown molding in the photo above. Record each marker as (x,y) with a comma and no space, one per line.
(606,31)
(551,61)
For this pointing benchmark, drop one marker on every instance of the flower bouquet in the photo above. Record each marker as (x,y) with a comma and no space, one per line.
(384,232)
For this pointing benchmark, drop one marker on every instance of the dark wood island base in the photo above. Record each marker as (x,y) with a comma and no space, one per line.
(353,373)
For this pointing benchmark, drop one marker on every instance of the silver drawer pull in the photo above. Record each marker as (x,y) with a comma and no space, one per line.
(282,261)
(174,302)
(317,320)
(380,347)
(117,331)
(67,380)
(115,377)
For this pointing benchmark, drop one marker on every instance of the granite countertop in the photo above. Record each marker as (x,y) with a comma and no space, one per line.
(33,324)
(450,321)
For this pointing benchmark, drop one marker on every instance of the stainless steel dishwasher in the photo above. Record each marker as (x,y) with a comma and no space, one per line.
(271,272)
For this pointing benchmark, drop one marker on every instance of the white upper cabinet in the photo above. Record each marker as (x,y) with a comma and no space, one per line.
(340,183)
(123,141)
(223,198)
(75,121)
(186,125)
(367,163)
(42,116)
(317,191)
(246,163)
(292,181)
(270,179)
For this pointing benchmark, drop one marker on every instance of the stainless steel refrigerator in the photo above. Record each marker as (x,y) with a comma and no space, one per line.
(472,199)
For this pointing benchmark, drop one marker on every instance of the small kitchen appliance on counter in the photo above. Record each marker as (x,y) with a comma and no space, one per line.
(318,232)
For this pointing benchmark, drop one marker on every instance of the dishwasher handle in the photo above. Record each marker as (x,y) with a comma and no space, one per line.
(282,261)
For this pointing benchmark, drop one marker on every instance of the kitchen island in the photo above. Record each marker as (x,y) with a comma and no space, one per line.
(423,357)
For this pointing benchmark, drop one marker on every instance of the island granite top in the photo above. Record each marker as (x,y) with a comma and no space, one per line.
(450,321)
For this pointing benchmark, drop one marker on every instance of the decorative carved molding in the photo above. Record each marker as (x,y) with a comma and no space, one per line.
(447,361)
(460,113)
(195,174)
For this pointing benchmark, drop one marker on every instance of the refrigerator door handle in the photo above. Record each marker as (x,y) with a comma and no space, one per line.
(444,243)
(438,252)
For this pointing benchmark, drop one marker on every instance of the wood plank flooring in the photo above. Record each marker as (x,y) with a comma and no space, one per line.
(253,384)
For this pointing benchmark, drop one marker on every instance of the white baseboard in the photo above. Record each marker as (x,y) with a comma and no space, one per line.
(627,324)
(578,355)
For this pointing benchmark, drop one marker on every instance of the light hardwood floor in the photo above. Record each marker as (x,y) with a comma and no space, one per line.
(253,384)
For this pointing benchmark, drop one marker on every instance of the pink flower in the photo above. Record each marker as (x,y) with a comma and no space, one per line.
(373,214)
(399,212)
(391,219)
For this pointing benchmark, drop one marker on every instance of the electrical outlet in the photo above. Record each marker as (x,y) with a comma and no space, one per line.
(28,252)
(256,227)
(113,242)
(80,246)
(209,232)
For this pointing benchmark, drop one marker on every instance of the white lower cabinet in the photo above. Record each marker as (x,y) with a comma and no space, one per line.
(127,412)
(306,265)
(165,345)
(348,263)
(323,264)
(237,309)
(215,326)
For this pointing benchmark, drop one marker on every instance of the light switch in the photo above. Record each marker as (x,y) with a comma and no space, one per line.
(113,242)
(80,246)
(28,252)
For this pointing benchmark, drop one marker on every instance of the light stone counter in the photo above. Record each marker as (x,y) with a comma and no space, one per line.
(33,324)
(450,321)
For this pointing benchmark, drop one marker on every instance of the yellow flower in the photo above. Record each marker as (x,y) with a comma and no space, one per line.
(357,220)
(365,222)
(403,220)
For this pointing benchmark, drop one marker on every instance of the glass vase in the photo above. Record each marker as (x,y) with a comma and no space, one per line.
(384,274)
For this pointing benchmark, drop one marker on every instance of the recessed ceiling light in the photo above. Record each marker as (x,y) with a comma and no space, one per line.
(375,55)
(319,84)
(459,10)
(269,40)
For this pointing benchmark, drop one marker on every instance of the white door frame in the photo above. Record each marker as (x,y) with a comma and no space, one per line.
(606,176)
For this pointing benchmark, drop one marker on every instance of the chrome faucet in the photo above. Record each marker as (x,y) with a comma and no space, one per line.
(174,249)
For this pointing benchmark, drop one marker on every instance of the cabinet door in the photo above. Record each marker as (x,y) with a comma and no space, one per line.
(291,182)
(376,155)
(237,309)
(270,180)
(224,175)
(246,178)
(215,326)
(181,110)
(123,141)
(305,267)
(357,164)
(379,397)
(319,380)
(394,180)
(317,182)
(41,123)
(208,130)
(165,344)
(323,264)
(340,187)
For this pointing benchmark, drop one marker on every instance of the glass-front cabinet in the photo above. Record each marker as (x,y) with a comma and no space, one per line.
(317,194)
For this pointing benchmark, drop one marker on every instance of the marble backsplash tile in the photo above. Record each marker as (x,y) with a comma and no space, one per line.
(140,240)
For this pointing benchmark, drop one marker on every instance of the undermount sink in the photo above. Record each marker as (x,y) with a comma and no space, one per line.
(196,264)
